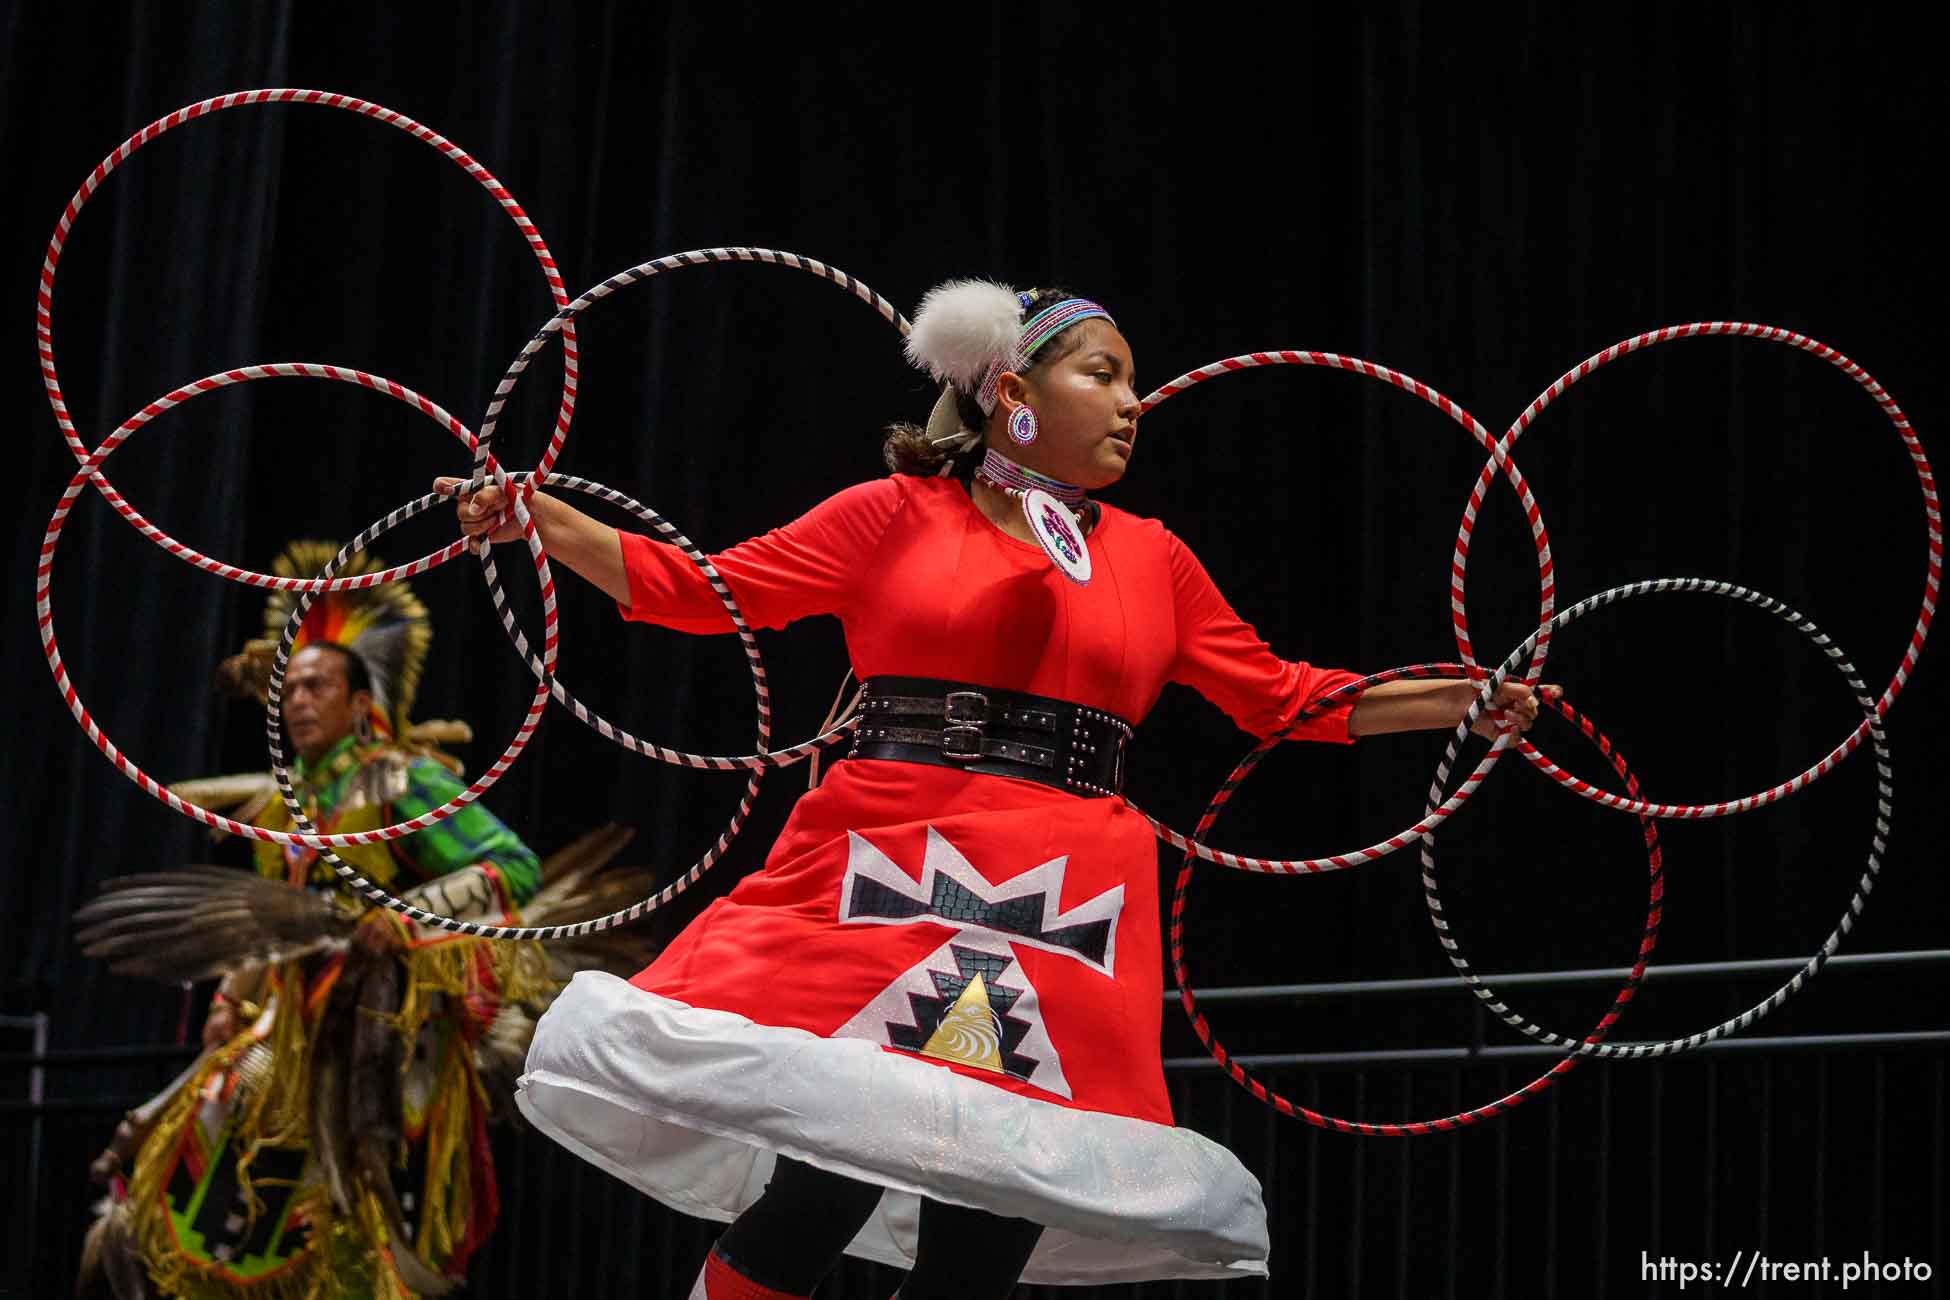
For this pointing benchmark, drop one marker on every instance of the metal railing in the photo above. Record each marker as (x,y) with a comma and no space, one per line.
(1479,1050)
(34,1105)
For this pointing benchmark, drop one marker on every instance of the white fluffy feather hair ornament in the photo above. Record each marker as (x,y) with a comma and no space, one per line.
(960,331)
(961,328)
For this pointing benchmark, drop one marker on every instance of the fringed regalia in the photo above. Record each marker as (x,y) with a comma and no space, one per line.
(230,1198)
(336,1145)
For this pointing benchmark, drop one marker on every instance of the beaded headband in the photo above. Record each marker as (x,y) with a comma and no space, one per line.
(1036,331)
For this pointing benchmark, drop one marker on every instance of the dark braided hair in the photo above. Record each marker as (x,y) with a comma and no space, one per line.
(905,446)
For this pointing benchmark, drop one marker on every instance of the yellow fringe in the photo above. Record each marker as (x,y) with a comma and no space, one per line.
(274,1111)
(278,1113)
(515,972)
(449,1190)
(345,1256)
(174,1273)
(385,1283)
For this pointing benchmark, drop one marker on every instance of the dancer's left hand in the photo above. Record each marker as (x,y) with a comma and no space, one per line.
(1515,706)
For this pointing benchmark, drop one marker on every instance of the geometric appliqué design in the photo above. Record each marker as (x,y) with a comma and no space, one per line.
(969,1001)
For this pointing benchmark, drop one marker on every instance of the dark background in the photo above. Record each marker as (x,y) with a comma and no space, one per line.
(1480,202)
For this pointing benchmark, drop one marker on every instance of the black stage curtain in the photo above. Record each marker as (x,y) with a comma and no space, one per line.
(1479,199)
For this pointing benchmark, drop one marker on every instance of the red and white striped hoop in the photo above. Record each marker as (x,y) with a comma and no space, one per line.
(44,317)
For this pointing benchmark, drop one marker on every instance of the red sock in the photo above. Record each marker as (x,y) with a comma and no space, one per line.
(720,1281)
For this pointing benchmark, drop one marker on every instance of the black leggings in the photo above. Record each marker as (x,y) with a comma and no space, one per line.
(792,1236)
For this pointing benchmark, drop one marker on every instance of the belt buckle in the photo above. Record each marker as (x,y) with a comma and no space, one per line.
(968,707)
(966,715)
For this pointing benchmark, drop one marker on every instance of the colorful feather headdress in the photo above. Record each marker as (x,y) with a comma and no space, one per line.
(386,626)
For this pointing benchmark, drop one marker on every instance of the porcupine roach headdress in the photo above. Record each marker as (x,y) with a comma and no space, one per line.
(386,626)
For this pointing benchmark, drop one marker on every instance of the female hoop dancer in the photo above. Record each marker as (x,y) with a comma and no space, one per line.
(927,1031)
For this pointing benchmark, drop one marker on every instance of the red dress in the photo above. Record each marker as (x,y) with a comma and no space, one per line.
(944,982)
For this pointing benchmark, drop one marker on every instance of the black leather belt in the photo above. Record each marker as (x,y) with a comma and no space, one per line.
(1000,733)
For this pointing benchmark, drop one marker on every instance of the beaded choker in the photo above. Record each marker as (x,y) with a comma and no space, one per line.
(999,471)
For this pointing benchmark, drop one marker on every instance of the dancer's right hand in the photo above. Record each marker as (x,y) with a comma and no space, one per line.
(486,509)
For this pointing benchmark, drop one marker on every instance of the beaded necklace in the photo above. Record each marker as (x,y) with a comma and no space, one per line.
(1057,511)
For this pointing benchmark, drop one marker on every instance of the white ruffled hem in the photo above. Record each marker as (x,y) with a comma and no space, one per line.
(691,1106)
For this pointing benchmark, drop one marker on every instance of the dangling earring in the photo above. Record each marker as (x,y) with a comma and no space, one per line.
(1022,425)
(362,728)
